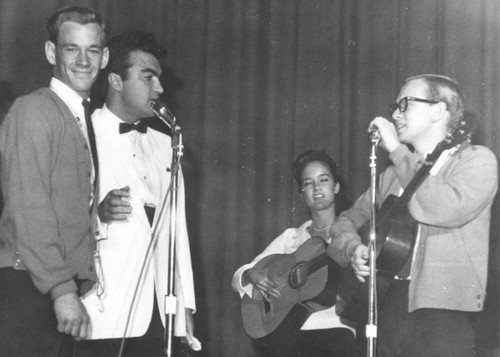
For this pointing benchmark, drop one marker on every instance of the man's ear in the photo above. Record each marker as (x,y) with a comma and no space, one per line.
(105,57)
(50,52)
(440,111)
(115,81)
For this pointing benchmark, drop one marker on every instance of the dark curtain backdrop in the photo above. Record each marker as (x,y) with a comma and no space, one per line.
(253,83)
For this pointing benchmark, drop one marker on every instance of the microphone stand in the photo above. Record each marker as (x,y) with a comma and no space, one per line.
(170,302)
(171,298)
(371,326)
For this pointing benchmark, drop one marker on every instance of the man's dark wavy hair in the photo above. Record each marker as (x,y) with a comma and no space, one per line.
(121,46)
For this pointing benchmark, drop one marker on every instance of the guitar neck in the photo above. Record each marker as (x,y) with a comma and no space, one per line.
(317,263)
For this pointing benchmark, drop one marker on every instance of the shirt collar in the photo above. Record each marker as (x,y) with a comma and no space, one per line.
(71,98)
(110,116)
(112,119)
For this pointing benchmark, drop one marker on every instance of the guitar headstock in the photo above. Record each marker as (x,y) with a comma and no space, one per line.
(461,132)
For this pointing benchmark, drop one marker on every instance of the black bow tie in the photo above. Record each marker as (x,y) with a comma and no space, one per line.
(126,127)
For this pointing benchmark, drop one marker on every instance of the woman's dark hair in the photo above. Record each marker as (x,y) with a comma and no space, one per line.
(308,156)
(319,155)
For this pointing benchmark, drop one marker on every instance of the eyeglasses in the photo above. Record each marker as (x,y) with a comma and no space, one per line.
(402,105)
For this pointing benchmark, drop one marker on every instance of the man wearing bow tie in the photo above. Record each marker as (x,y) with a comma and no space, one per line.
(134,177)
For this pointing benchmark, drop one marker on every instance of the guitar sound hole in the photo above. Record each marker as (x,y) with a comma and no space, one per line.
(298,276)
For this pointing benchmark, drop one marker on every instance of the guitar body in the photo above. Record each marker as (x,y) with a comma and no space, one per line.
(302,293)
(395,237)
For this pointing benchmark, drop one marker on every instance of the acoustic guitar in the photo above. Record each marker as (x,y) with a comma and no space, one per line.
(396,230)
(307,281)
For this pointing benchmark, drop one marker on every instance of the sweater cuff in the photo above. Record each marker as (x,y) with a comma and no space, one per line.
(63,289)
(398,154)
(341,250)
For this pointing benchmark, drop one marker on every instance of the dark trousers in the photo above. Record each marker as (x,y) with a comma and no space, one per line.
(28,325)
(335,342)
(424,332)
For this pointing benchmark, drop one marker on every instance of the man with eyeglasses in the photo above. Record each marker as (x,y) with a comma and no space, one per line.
(429,305)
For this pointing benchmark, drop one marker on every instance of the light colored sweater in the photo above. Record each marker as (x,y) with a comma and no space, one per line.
(45,168)
(453,208)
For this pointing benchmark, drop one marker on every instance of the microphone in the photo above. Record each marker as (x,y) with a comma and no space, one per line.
(161,110)
(375,135)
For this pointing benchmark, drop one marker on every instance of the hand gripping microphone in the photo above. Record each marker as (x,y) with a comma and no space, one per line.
(375,135)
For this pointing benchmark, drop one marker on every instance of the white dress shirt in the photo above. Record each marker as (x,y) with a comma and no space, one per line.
(74,102)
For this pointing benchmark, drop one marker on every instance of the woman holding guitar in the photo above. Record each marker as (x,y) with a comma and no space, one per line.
(289,290)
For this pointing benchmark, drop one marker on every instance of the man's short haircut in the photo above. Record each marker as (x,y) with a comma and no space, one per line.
(121,46)
(78,14)
(447,90)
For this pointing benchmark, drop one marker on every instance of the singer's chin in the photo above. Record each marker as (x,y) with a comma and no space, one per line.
(155,102)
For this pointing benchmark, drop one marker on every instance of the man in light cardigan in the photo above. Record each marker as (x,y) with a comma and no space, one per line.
(47,174)
(429,306)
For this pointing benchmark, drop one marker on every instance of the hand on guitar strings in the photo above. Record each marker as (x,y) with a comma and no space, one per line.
(262,283)
(359,260)
(387,130)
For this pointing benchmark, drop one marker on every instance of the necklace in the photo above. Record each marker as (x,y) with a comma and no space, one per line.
(321,229)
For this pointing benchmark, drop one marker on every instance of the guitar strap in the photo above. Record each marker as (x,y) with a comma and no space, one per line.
(443,158)
(404,273)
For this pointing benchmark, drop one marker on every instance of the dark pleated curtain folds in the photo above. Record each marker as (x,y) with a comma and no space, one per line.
(253,83)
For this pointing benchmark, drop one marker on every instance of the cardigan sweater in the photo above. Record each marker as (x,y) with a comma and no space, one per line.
(453,209)
(45,170)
